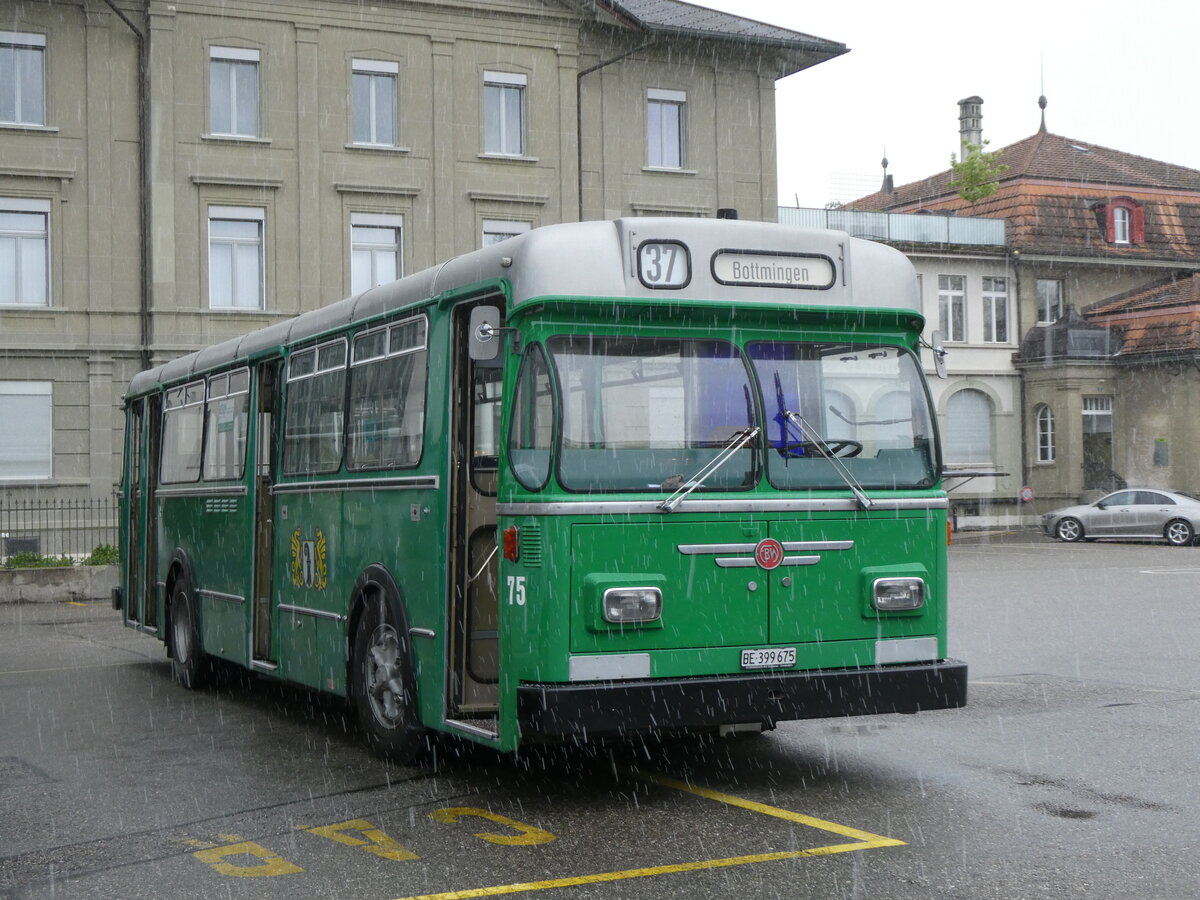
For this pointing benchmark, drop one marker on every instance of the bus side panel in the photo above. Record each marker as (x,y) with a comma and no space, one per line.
(210,532)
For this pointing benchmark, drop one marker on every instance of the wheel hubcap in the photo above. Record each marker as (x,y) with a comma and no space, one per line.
(382,675)
(183,634)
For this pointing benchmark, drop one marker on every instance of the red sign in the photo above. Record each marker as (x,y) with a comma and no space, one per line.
(1026,494)
(768,554)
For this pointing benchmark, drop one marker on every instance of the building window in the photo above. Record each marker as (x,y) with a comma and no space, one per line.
(665,124)
(504,114)
(952,307)
(26,431)
(497,230)
(995,310)
(233,91)
(235,257)
(1125,222)
(22,78)
(375,246)
(24,252)
(1050,300)
(968,439)
(373,100)
(1045,434)
(1120,220)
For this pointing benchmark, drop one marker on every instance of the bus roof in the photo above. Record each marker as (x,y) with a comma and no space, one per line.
(728,261)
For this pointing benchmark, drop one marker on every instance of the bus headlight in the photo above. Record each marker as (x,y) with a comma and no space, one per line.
(893,594)
(626,605)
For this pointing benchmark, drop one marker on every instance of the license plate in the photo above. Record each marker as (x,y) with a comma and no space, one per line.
(768,658)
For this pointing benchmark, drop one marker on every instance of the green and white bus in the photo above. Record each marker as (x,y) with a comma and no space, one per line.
(599,479)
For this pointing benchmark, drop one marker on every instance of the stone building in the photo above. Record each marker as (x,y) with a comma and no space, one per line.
(175,173)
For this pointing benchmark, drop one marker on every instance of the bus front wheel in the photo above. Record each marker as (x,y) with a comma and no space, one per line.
(382,685)
(188,663)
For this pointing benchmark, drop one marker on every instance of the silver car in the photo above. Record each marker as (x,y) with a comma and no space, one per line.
(1138,514)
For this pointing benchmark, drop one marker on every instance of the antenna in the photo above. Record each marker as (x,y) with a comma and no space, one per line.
(1042,98)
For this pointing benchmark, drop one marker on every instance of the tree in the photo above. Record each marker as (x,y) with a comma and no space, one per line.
(975,178)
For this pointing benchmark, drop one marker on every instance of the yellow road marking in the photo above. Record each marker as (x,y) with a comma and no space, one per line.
(58,669)
(862,840)
(866,837)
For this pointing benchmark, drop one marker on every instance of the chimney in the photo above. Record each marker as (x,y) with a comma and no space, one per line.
(970,124)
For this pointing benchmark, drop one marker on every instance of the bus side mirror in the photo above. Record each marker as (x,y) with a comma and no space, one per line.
(939,354)
(484,333)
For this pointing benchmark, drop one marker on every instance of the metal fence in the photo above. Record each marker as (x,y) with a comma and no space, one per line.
(57,528)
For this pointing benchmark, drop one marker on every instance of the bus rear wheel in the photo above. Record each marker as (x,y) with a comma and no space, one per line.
(383,688)
(189,665)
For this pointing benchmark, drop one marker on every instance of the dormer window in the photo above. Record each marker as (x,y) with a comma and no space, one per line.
(1125,222)
(1120,225)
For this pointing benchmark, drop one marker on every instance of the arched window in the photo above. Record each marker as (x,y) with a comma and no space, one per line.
(968,438)
(1045,434)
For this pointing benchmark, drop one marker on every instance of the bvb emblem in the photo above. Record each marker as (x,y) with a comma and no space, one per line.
(309,568)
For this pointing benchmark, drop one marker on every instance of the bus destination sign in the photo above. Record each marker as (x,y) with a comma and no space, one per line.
(784,270)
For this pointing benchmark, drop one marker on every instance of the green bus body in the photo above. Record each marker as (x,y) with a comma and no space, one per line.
(566,541)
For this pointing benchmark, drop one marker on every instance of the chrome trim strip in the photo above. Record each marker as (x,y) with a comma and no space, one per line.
(422,632)
(416,482)
(694,549)
(264,665)
(472,729)
(817,545)
(748,562)
(315,613)
(631,507)
(217,595)
(800,560)
(189,490)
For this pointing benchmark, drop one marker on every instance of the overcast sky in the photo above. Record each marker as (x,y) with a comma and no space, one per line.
(1123,75)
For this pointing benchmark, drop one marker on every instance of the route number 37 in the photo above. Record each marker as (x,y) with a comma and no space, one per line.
(664,264)
(516,590)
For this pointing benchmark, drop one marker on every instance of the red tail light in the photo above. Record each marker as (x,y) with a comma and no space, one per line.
(511,545)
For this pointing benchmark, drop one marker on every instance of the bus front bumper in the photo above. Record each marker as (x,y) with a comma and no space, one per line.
(616,708)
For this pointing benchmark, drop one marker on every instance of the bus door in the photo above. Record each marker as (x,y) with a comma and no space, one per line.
(474,611)
(262,652)
(142,467)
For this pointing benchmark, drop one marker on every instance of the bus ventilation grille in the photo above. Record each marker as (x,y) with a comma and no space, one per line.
(531,545)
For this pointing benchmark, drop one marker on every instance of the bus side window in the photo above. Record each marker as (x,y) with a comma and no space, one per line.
(312,440)
(387,397)
(183,429)
(531,431)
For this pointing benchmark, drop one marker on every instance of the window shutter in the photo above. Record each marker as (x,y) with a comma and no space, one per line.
(1139,226)
(1110,229)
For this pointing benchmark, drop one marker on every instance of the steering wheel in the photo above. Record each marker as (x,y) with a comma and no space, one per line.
(844,448)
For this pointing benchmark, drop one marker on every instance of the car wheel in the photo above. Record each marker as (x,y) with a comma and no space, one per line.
(1069,530)
(1179,533)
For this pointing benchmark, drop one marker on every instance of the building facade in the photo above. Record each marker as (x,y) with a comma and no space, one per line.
(1091,233)
(174,174)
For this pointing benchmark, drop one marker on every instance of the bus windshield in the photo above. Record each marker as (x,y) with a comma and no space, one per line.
(647,413)
(864,403)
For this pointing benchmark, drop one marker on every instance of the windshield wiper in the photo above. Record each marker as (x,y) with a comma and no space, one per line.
(735,443)
(810,434)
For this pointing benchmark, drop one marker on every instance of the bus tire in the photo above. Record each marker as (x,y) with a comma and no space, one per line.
(382,685)
(189,666)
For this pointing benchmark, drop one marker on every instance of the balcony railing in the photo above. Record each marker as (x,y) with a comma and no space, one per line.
(903,227)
